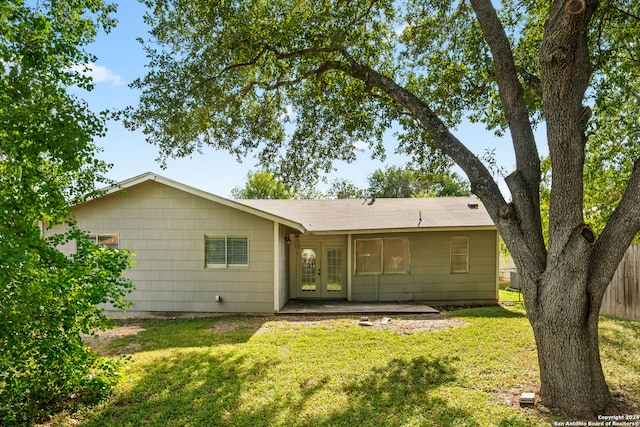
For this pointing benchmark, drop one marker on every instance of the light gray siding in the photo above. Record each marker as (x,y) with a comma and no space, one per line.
(166,228)
(430,278)
(165,224)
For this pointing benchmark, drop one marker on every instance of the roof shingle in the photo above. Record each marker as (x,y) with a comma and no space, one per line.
(384,214)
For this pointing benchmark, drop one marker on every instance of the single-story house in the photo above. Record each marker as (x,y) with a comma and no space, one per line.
(200,253)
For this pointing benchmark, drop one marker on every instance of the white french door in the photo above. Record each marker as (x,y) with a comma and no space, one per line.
(322,271)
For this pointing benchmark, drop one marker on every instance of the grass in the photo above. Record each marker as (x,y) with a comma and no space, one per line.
(265,371)
(506,295)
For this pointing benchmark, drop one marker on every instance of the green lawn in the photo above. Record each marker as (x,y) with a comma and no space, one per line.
(506,295)
(265,371)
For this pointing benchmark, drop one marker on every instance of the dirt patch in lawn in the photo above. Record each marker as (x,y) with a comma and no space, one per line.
(402,324)
(103,337)
(413,324)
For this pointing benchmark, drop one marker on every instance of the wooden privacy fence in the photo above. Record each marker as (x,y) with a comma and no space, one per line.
(622,298)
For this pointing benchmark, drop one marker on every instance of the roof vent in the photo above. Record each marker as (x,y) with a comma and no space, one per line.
(373,200)
(472,205)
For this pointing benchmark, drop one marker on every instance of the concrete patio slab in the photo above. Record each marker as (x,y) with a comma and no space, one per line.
(306,306)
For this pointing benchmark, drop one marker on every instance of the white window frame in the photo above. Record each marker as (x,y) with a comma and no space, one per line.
(226,264)
(453,267)
(96,239)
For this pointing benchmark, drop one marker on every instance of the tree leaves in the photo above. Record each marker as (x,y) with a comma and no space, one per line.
(258,75)
(47,162)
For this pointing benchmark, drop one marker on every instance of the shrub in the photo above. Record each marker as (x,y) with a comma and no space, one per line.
(48,301)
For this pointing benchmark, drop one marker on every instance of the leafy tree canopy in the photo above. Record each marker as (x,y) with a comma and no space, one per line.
(394,181)
(344,189)
(47,160)
(261,185)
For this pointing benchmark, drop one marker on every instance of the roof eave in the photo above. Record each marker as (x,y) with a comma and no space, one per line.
(406,230)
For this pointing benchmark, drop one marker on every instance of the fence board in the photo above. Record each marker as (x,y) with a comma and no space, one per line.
(622,298)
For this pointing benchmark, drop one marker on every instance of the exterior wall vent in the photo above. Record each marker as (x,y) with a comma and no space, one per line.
(472,205)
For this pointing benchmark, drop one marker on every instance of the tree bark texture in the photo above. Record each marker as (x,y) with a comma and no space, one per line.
(571,375)
(564,318)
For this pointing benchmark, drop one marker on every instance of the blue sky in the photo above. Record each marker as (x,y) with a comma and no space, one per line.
(121,60)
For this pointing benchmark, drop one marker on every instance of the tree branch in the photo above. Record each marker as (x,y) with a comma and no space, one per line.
(249,63)
(527,201)
(624,11)
(279,55)
(477,173)
(565,70)
(511,94)
(482,183)
(324,68)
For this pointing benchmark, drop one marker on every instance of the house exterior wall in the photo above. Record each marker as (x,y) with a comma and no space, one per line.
(166,228)
(430,278)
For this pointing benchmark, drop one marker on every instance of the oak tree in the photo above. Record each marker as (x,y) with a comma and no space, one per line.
(300,82)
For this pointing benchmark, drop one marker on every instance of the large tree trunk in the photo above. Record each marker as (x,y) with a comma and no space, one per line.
(566,334)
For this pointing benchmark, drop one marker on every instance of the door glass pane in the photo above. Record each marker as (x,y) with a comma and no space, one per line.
(309,257)
(334,269)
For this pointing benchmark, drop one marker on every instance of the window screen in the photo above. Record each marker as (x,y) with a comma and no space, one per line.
(368,256)
(215,252)
(226,251)
(376,256)
(396,255)
(459,254)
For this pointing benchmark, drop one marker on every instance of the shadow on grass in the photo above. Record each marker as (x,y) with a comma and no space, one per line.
(203,389)
(617,339)
(196,388)
(401,393)
(495,311)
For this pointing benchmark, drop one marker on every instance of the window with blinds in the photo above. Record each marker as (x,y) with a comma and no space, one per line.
(459,254)
(226,251)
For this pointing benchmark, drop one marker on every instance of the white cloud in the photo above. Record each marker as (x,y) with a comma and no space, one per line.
(99,74)
(399,30)
(288,114)
(361,145)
